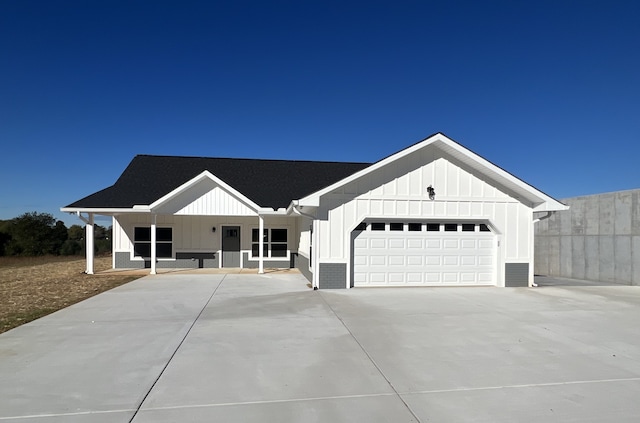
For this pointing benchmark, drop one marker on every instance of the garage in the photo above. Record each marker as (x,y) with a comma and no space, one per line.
(423,253)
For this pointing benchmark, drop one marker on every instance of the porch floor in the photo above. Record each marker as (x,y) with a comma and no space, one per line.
(187,271)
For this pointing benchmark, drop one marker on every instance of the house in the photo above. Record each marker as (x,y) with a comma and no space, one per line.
(433,214)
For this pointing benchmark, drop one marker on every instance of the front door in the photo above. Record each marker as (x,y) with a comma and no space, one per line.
(231,246)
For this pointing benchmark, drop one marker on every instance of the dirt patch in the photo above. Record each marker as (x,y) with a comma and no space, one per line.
(34,287)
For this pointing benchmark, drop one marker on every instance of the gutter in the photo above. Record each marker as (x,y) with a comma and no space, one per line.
(294,207)
(545,217)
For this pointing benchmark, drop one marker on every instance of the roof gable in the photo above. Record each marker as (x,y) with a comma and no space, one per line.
(266,183)
(464,158)
(151,180)
(205,195)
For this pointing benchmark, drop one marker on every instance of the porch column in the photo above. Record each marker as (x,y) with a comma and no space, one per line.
(261,246)
(153,244)
(89,243)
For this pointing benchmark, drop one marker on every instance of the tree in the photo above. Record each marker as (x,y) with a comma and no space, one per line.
(75,233)
(5,235)
(35,234)
(102,237)
(70,248)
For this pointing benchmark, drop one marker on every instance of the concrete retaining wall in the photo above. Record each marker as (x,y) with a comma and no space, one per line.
(597,239)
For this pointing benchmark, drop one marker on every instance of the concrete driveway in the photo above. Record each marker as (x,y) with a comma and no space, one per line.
(253,348)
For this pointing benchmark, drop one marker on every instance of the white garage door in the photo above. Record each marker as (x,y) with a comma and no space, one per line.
(438,254)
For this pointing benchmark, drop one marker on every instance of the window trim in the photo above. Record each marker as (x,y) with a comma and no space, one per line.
(375,226)
(415,227)
(134,257)
(269,242)
(451,227)
(396,227)
(468,227)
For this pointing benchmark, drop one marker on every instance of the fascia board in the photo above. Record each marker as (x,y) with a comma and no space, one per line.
(99,210)
(205,174)
(313,200)
(538,198)
(550,206)
(266,211)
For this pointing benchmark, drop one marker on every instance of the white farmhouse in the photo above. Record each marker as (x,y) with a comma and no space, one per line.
(433,214)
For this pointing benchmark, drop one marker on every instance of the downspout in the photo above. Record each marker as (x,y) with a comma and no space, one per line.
(545,217)
(540,219)
(294,207)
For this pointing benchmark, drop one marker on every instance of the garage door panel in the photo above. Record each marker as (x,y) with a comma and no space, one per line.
(432,277)
(468,244)
(485,277)
(450,243)
(433,243)
(450,277)
(360,260)
(485,244)
(397,243)
(414,243)
(414,277)
(468,260)
(467,277)
(378,243)
(450,260)
(360,242)
(396,277)
(377,277)
(431,258)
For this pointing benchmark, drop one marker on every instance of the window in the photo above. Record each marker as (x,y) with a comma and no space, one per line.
(255,243)
(433,227)
(484,228)
(142,242)
(274,243)
(278,242)
(377,226)
(468,227)
(396,226)
(450,227)
(362,226)
(415,227)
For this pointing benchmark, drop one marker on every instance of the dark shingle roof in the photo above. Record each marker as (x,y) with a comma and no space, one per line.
(268,183)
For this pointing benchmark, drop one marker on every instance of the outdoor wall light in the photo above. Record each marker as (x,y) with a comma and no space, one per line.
(431,192)
(213,229)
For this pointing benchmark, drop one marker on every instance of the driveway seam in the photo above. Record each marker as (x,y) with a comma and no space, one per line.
(274,401)
(525,385)
(370,359)
(176,350)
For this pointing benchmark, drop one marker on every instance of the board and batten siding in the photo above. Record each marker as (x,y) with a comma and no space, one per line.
(206,198)
(304,235)
(195,233)
(398,192)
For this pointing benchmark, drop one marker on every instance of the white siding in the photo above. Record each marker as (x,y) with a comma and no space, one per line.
(206,198)
(216,202)
(399,191)
(195,233)
(303,236)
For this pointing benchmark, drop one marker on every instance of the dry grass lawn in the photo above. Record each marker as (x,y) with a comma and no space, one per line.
(32,287)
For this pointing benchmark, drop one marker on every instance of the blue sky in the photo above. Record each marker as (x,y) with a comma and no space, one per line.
(548,90)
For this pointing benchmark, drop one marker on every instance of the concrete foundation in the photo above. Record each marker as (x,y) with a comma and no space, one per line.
(597,239)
